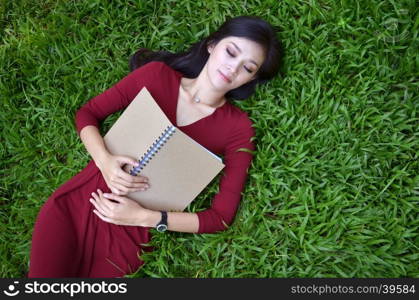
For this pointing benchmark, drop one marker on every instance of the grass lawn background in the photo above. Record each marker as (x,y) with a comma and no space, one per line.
(333,190)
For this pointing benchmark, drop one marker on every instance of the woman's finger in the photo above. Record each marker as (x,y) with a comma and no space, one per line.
(130,178)
(110,204)
(123,190)
(115,190)
(104,218)
(130,185)
(110,185)
(121,159)
(132,190)
(104,206)
(97,206)
(114,197)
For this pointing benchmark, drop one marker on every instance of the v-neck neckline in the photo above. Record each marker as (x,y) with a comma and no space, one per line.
(176,101)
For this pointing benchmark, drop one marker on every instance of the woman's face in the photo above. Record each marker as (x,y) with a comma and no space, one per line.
(233,61)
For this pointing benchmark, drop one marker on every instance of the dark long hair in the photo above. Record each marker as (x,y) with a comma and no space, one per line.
(191,62)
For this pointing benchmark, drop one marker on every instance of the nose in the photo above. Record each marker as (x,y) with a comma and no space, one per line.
(233,68)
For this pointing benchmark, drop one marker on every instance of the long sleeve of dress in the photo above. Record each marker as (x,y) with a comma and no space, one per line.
(237,160)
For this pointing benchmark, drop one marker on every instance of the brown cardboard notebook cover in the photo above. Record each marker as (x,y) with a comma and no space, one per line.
(178,171)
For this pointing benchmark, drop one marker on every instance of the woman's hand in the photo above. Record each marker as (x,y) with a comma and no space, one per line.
(119,181)
(124,211)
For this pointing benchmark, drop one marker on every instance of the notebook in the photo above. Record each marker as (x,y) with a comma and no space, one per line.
(178,167)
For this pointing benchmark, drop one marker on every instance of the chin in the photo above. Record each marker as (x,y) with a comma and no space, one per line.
(216,80)
(217,83)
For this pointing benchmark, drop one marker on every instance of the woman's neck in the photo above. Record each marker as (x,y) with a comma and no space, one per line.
(199,91)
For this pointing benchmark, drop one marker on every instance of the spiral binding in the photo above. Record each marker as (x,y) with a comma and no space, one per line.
(167,133)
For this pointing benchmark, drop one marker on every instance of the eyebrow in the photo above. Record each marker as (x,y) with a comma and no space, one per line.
(238,49)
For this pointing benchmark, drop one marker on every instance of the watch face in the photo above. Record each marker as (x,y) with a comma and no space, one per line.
(161,227)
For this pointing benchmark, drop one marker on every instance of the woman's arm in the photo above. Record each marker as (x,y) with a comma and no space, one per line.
(117,180)
(238,156)
(93,141)
(122,210)
(88,119)
(176,221)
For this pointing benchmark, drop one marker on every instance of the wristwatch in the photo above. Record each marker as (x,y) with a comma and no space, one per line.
(162,225)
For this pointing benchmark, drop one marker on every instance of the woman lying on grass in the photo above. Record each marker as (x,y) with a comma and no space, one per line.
(89,227)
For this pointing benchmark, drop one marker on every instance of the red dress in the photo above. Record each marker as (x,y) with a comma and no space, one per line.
(69,240)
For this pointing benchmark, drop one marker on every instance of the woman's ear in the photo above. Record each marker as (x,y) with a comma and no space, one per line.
(210,45)
(210,48)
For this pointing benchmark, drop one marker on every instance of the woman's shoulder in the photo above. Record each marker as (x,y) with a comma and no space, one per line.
(238,119)
(238,130)
(158,67)
(237,115)
(153,74)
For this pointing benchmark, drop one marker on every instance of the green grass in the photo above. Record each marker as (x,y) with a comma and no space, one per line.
(333,190)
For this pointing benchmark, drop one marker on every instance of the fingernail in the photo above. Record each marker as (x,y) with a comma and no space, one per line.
(105,195)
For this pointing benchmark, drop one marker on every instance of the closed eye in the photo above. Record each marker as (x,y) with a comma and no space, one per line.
(250,71)
(229,53)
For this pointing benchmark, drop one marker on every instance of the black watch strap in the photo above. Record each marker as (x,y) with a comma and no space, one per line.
(162,225)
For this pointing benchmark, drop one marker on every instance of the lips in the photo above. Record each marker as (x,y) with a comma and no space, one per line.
(226,79)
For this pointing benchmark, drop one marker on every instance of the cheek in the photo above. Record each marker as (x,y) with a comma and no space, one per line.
(212,64)
(217,58)
(244,78)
